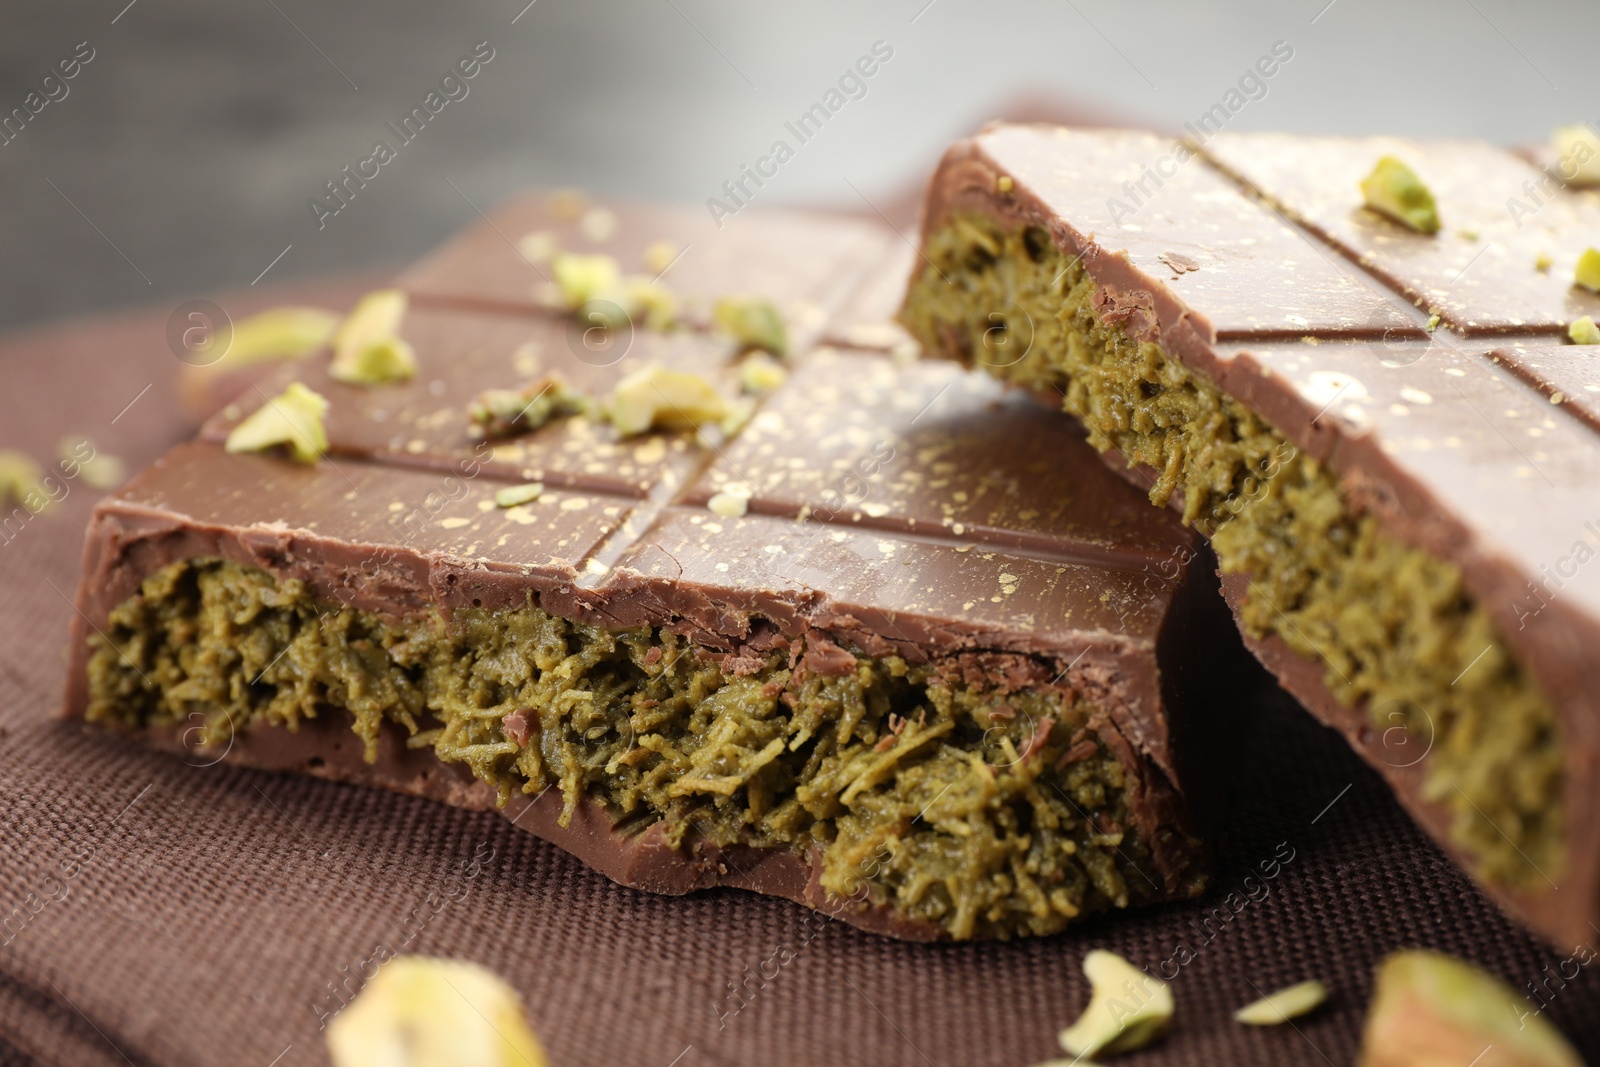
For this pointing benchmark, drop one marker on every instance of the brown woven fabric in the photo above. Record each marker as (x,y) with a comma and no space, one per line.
(197,915)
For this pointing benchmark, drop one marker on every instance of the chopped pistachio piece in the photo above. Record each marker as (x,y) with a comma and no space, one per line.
(658,256)
(1583,331)
(512,495)
(422,1011)
(497,413)
(585,278)
(367,347)
(293,418)
(656,398)
(760,374)
(1127,1010)
(731,503)
(1587,272)
(655,300)
(1430,1010)
(538,246)
(1433,321)
(1005,183)
(1393,189)
(19,477)
(1285,1004)
(1577,154)
(284,333)
(1542,262)
(388,360)
(753,322)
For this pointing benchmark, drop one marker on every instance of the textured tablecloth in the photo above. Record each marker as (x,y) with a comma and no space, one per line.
(156,912)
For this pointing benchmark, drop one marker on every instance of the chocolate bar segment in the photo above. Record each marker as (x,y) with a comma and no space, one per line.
(804,263)
(1481,272)
(1565,375)
(883,684)
(1402,525)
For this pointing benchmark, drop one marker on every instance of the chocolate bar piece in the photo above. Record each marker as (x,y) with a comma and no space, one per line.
(1394,459)
(898,647)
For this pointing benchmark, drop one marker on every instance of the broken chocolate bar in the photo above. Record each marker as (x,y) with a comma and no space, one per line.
(1373,424)
(891,644)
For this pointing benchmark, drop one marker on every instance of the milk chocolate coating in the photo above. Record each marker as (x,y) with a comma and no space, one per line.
(917,511)
(1478,445)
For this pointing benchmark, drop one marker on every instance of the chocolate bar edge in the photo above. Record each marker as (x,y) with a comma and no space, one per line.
(968,179)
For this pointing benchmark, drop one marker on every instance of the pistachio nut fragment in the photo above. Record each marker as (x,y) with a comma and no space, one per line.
(513,495)
(753,322)
(656,398)
(760,374)
(1394,190)
(1285,1004)
(498,413)
(1583,331)
(421,1011)
(1587,272)
(1128,1008)
(293,418)
(367,346)
(584,278)
(1430,1010)
(282,333)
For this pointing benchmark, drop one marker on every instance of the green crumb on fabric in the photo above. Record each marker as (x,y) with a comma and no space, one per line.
(1395,628)
(496,414)
(1283,1005)
(1394,190)
(1583,331)
(293,418)
(424,1011)
(1587,272)
(753,322)
(906,776)
(513,495)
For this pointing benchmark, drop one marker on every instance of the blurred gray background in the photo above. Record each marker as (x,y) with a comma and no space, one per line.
(182,158)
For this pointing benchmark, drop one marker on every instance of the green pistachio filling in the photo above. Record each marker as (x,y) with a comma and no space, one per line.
(1395,627)
(948,802)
